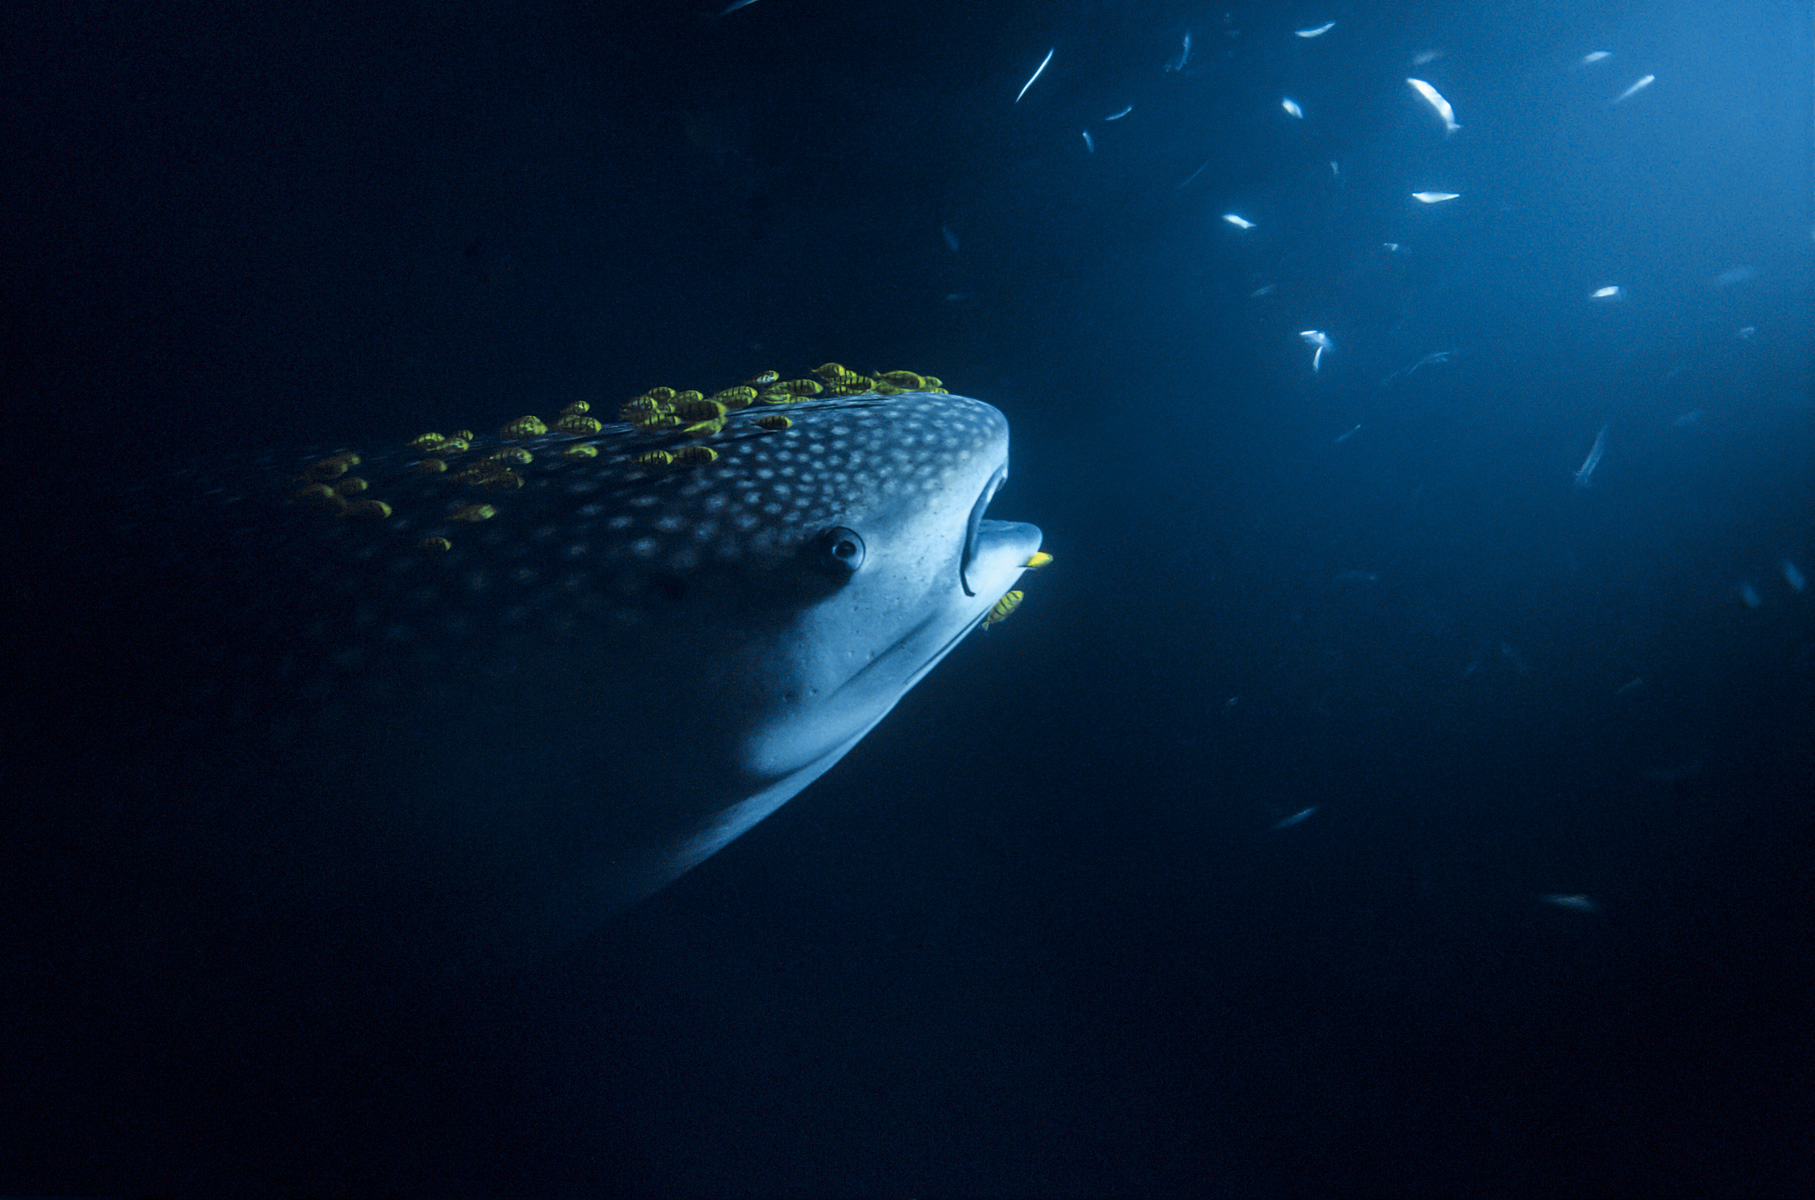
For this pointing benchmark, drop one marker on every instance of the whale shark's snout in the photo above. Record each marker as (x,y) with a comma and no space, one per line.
(932,565)
(999,554)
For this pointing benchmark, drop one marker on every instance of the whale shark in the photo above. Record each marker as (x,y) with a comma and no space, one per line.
(473,695)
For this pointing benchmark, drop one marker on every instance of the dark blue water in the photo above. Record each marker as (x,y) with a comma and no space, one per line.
(1038,934)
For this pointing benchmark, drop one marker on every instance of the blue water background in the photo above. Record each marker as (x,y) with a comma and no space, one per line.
(1038,935)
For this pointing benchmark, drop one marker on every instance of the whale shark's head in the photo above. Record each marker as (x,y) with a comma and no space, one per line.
(875,521)
(548,672)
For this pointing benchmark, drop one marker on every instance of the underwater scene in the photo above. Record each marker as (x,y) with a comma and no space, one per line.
(794,598)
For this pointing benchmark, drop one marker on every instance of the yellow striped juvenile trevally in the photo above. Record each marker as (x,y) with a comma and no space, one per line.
(478,692)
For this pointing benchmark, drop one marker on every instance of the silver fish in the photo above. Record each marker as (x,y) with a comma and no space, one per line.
(1436,356)
(1638,86)
(1319,339)
(1037,73)
(1585,473)
(1184,55)
(496,728)
(1438,103)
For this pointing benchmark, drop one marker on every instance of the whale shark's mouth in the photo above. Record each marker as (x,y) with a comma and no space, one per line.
(975,525)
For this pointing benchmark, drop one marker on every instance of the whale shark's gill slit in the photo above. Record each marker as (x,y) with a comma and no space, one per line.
(976,522)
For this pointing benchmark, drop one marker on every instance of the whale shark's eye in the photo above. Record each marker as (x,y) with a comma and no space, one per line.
(843,548)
